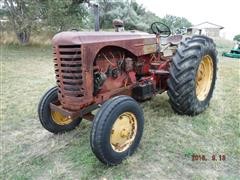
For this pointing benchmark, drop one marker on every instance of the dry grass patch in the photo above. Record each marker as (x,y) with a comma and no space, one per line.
(30,152)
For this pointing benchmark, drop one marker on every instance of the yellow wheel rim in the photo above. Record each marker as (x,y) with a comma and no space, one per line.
(60,119)
(204,77)
(123,132)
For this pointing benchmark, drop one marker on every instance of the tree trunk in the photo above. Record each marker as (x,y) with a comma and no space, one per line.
(23,35)
(20,19)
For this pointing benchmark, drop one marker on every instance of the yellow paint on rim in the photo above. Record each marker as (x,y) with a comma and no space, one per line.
(204,77)
(60,119)
(123,132)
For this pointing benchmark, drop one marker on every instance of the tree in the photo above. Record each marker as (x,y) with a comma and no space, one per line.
(175,22)
(64,15)
(135,16)
(138,8)
(3,12)
(22,14)
(109,10)
(237,38)
(57,15)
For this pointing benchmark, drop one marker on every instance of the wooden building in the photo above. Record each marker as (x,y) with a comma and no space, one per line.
(205,28)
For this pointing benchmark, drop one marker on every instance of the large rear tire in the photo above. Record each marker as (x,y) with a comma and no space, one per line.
(53,121)
(193,75)
(117,130)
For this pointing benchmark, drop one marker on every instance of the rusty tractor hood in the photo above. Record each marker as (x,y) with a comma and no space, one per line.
(71,37)
(72,48)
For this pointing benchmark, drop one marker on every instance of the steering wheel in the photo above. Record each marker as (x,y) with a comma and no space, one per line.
(161,29)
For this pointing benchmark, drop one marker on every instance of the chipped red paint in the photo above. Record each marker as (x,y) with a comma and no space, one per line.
(78,54)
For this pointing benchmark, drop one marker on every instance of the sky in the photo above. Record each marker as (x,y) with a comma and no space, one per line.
(225,13)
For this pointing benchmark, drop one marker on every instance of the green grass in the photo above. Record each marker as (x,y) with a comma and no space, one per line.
(224,45)
(30,152)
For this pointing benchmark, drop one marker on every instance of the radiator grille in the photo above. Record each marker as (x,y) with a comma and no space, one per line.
(68,69)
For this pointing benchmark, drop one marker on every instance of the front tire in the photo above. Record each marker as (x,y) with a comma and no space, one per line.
(193,75)
(53,121)
(117,130)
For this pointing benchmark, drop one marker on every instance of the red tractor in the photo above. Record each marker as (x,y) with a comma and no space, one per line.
(114,71)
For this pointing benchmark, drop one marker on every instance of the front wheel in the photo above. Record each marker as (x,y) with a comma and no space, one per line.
(117,130)
(53,121)
(193,75)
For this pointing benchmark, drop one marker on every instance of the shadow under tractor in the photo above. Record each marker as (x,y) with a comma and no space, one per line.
(113,71)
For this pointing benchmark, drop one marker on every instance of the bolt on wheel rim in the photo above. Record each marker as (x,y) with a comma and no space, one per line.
(123,132)
(60,119)
(204,77)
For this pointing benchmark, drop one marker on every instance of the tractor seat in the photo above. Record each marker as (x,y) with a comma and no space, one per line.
(174,39)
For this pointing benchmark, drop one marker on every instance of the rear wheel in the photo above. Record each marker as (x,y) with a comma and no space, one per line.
(53,121)
(117,130)
(193,75)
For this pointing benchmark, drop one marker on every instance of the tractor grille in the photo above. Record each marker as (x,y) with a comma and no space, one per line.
(68,69)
